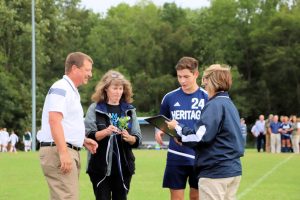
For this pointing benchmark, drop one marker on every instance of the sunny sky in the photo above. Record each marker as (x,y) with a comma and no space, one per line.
(102,6)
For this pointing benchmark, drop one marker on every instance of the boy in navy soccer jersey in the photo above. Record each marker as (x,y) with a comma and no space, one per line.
(286,130)
(183,104)
(216,138)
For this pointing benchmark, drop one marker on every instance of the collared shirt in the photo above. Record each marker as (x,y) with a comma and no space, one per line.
(275,126)
(64,97)
(260,126)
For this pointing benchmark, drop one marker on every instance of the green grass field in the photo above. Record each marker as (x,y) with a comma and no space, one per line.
(265,177)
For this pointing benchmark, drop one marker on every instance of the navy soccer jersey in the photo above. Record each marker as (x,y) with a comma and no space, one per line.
(186,109)
(286,126)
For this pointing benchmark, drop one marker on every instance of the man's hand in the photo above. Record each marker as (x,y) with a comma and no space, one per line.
(55,119)
(91,145)
(158,137)
(65,162)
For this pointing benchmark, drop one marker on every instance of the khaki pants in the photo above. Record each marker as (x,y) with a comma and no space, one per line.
(268,142)
(275,143)
(61,186)
(295,142)
(218,189)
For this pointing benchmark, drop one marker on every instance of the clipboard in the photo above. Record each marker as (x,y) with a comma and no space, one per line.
(159,122)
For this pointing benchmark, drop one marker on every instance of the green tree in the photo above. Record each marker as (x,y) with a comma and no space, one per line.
(280,45)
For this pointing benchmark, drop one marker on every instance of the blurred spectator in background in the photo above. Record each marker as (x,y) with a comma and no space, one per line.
(295,133)
(244,131)
(275,135)
(27,140)
(13,138)
(5,139)
(261,130)
(254,131)
(268,134)
(286,130)
(1,133)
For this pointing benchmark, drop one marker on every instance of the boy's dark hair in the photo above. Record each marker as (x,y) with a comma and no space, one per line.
(187,63)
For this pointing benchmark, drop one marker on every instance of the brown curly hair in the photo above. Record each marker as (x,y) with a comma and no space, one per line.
(112,77)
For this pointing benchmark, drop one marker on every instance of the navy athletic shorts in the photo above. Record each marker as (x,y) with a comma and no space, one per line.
(176,177)
(285,136)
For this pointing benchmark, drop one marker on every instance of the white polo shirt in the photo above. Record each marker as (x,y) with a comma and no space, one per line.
(63,97)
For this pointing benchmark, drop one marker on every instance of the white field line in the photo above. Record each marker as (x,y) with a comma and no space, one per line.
(256,183)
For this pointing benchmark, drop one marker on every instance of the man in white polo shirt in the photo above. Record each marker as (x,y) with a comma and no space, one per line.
(63,133)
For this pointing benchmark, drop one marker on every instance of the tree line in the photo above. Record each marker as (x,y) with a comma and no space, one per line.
(259,39)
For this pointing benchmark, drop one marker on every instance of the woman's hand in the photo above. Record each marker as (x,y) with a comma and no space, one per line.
(112,129)
(172,124)
(106,132)
(127,137)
